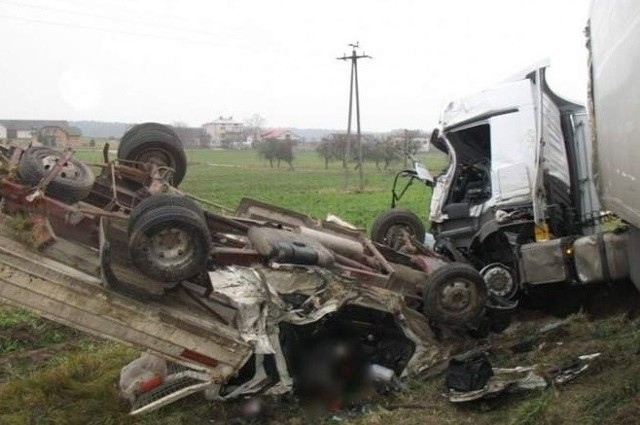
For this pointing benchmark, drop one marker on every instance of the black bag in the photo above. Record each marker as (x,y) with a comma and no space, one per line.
(469,374)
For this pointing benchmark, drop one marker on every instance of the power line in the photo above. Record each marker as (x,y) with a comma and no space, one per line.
(111,31)
(125,9)
(109,18)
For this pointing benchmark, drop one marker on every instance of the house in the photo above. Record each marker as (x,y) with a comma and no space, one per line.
(24,129)
(47,132)
(224,130)
(280,134)
(59,136)
(193,137)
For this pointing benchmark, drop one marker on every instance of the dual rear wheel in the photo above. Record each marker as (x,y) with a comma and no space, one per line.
(157,144)
(169,240)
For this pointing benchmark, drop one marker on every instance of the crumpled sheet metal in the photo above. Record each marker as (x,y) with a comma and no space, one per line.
(258,292)
(523,379)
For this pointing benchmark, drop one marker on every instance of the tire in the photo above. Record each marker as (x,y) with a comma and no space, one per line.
(169,243)
(156,146)
(148,126)
(500,280)
(72,184)
(455,294)
(162,200)
(389,227)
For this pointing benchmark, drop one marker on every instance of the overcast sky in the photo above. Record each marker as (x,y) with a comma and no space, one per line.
(194,60)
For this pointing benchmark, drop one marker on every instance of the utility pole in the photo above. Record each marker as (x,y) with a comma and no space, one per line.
(354,81)
(406,147)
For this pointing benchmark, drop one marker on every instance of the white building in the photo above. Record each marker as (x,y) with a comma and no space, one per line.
(224,128)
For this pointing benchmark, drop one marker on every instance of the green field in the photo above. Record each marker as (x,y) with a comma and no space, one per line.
(225,177)
(50,374)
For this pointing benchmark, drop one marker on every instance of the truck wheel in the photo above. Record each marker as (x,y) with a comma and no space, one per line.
(391,228)
(73,182)
(148,126)
(161,200)
(455,294)
(169,243)
(155,146)
(500,280)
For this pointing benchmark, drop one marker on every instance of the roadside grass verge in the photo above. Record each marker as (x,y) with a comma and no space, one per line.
(76,388)
(21,331)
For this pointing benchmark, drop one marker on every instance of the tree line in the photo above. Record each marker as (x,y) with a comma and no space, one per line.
(382,150)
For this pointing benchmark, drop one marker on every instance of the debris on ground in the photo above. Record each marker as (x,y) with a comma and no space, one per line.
(474,378)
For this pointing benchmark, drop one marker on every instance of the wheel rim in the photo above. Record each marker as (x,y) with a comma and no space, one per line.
(458,295)
(499,280)
(170,247)
(398,235)
(67,171)
(158,156)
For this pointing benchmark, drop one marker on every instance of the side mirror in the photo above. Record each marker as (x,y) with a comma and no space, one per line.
(434,136)
(437,142)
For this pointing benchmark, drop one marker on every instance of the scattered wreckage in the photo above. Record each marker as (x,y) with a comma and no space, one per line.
(471,377)
(262,301)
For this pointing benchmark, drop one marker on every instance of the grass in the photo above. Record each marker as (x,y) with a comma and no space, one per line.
(225,177)
(50,374)
(23,331)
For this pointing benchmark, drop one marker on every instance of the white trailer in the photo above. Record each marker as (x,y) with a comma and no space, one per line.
(614,47)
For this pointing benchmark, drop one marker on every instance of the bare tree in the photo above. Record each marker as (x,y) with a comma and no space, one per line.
(284,152)
(410,146)
(267,150)
(332,148)
(253,125)
(274,150)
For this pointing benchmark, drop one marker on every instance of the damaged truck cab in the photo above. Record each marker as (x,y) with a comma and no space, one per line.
(518,157)
(517,199)
(516,147)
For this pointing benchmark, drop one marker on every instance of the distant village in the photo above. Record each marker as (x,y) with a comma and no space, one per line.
(49,133)
(224,132)
(221,133)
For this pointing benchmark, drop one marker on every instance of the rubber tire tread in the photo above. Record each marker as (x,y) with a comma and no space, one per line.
(161,200)
(395,216)
(129,143)
(442,276)
(148,126)
(134,147)
(153,220)
(66,190)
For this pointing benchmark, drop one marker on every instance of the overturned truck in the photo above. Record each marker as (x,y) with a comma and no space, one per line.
(230,304)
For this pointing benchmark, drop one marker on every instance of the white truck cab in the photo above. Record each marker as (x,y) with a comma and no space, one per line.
(518,166)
